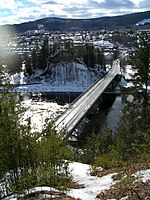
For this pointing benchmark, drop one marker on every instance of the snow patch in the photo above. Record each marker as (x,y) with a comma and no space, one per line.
(143,175)
(93,185)
(62,77)
(39,111)
(144,21)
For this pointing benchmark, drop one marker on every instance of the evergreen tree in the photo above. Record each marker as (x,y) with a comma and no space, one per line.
(89,56)
(56,46)
(29,159)
(141,66)
(13,62)
(131,141)
(42,56)
(39,57)
(34,59)
(53,153)
(68,45)
(28,65)
(18,148)
(10,143)
(100,58)
(95,145)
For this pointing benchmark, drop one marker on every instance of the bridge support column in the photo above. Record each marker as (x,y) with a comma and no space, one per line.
(106,100)
(93,110)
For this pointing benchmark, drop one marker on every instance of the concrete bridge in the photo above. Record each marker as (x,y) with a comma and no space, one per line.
(77,110)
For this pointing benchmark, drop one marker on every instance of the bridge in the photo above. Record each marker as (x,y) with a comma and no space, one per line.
(77,110)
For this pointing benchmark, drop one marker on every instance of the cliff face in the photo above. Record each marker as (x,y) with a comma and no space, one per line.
(69,74)
(57,77)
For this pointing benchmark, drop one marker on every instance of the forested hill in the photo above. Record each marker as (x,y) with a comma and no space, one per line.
(59,24)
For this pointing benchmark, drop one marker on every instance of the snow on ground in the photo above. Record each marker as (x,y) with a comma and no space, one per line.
(143,175)
(81,174)
(128,73)
(70,77)
(125,83)
(18,78)
(144,21)
(126,80)
(93,185)
(39,111)
(32,190)
(46,87)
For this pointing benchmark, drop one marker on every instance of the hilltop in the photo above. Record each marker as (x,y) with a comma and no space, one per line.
(60,24)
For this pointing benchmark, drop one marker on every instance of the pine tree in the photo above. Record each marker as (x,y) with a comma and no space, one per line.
(141,66)
(28,65)
(68,45)
(95,145)
(29,159)
(43,55)
(89,56)
(17,146)
(131,140)
(13,62)
(53,153)
(34,59)
(100,58)
(9,135)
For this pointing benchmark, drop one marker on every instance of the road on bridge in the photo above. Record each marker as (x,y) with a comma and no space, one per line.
(71,117)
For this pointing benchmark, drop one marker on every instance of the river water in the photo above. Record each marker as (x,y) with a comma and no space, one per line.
(104,118)
(114,113)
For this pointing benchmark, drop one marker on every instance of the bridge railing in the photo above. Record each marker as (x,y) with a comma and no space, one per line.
(91,86)
(60,122)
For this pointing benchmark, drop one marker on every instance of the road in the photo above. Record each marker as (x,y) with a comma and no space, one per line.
(70,118)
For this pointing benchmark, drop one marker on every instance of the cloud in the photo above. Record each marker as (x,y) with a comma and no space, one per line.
(86,14)
(115,4)
(97,8)
(7,4)
(20,4)
(50,2)
(37,1)
(145,4)
(16,11)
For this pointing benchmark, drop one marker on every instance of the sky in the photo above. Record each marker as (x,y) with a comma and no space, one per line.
(18,11)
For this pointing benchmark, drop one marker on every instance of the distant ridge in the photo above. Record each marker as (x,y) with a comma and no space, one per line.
(59,24)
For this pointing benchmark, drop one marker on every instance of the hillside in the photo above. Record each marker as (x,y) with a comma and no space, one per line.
(60,77)
(102,186)
(58,24)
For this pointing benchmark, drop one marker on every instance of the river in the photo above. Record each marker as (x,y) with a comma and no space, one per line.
(104,118)
(113,114)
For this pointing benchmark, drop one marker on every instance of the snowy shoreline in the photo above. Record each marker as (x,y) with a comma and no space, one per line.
(40,111)
(45,87)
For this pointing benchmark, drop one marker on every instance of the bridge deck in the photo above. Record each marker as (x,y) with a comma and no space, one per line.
(71,117)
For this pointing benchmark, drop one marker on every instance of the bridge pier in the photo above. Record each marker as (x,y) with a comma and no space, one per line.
(106,99)
(76,112)
(113,84)
(104,102)
(94,109)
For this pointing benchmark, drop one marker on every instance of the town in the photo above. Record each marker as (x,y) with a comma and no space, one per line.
(74,111)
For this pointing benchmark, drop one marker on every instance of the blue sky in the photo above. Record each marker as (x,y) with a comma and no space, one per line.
(18,11)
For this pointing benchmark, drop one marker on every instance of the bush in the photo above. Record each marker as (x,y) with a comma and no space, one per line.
(109,160)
